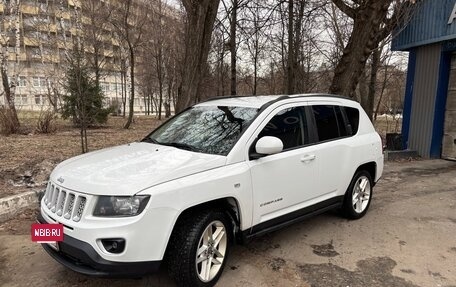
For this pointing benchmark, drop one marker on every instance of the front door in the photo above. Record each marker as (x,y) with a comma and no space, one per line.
(284,182)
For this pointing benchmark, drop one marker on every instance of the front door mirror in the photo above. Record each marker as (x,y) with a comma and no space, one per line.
(268,145)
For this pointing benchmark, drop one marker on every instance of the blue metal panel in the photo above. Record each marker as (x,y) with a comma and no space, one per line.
(440,102)
(408,98)
(425,87)
(428,24)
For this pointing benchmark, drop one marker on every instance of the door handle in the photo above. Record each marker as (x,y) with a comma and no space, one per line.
(307,158)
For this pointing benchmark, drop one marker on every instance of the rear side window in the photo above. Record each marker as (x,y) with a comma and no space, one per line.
(353,119)
(326,122)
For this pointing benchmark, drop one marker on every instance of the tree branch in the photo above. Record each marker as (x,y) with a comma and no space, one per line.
(349,11)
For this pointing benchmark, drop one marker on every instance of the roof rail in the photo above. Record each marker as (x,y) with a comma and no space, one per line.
(281,98)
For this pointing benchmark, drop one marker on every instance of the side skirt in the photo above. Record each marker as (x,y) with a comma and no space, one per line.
(291,218)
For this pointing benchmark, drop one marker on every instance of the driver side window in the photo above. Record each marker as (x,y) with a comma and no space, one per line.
(290,126)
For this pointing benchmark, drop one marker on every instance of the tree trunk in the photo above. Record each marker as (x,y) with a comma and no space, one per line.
(169,99)
(233,47)
(160,100)
(382,92)
(9,99)
(123,86)
(132,90)
(363,89)
(200,21)
(290,65)
(364,38)
(373,83)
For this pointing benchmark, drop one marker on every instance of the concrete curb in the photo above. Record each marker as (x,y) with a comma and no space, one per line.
(392,155)
(12,205)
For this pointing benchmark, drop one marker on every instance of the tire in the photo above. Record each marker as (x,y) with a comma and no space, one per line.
(357,203)
(190,242)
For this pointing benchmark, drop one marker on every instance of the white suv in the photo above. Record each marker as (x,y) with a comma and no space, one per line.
(220,172)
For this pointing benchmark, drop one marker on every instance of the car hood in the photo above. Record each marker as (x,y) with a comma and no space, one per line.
(128,169)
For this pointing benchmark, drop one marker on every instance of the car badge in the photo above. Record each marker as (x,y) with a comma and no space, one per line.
(60,179)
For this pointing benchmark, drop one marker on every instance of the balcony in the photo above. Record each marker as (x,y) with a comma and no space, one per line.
(28,9)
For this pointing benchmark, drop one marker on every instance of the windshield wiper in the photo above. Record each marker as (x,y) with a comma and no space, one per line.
(181,146)
(151,140)
(173,144)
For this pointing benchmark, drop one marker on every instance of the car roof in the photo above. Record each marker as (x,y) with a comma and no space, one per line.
(262,101)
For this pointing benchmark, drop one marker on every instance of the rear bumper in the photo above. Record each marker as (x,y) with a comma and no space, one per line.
(80,257)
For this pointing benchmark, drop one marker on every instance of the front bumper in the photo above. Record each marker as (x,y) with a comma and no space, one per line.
(81,257)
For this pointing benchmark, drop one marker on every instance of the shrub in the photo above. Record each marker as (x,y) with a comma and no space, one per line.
(46,122)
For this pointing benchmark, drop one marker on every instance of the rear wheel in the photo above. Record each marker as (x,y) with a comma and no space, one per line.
(199,248)
(358,196)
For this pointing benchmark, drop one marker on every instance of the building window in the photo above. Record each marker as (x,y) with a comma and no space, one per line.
(35,53)
(40,100)
(20,100)
(36,82)
(104,87)
(22,82)
(113,87)
(39,82)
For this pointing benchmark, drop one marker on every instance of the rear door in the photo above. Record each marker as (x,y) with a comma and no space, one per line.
(332,147)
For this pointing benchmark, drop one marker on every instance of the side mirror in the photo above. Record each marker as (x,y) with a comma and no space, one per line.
(268,145)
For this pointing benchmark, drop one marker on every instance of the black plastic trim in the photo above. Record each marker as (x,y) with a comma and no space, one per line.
(81,257)
(293,217)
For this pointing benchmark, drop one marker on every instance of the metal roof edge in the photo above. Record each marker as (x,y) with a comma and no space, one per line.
(407,47)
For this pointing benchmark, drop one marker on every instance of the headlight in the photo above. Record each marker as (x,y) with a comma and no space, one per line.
(120,205)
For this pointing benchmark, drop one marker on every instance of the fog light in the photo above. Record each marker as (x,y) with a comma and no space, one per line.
(115,245)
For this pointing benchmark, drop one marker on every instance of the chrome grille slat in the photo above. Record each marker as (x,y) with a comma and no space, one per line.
(46,194)
(69,205)
(69,209)
(51,195)
(55,198)
(80,208)
(61,202)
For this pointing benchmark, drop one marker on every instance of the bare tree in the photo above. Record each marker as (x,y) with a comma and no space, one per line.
(130,20)
(233,45)
(10,38)
(159,55)
(96,15)
(373,21)
(200,18)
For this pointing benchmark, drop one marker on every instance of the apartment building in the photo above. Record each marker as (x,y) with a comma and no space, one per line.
(37,36)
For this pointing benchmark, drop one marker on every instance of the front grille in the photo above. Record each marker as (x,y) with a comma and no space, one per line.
(64,203)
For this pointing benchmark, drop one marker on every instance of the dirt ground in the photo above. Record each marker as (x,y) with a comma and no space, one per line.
(26,160)
(407,239)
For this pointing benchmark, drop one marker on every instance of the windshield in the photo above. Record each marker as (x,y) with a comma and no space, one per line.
(206,129)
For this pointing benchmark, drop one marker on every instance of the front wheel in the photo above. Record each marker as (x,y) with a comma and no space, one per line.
(358,196)
(199,248)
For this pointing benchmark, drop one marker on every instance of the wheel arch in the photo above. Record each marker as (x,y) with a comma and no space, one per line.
(229,204)
(370,167)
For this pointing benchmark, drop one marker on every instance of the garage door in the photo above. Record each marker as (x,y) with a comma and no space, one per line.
(449,138)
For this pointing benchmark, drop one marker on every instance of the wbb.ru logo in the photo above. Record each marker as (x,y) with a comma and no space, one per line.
(47,233)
